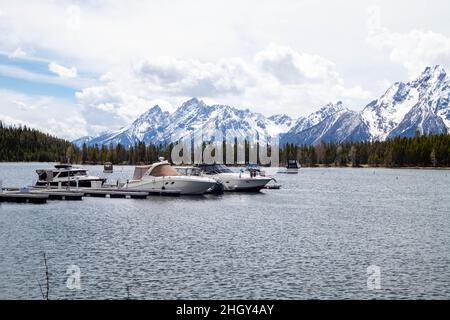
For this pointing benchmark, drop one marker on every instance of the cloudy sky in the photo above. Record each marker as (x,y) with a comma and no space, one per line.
(74,68)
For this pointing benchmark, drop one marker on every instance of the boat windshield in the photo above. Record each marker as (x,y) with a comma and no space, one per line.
(189,171)
(214,168)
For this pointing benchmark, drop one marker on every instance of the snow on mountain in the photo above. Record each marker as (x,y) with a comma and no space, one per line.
(405,108)
(431,112)
(420,105)
(332,122)
(194,117)
(317,117)
(80,141)
(383,115)
(281,123)
(145,128)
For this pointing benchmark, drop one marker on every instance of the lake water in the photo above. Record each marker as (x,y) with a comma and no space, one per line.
(312,239)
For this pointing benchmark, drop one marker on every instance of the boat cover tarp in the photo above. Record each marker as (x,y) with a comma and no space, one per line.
(164,170)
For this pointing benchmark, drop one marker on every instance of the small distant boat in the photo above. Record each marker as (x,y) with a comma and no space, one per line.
(292,166)
(107,167)
(64,175)
(162,176)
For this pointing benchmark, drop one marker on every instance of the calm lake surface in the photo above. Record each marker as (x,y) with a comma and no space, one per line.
(312,239)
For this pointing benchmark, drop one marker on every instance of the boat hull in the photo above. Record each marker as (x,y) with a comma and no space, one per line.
(184,185)
(241,183)
(91,183)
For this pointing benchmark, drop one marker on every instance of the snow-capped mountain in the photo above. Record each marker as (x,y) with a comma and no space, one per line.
(191,118)
(431,113)
(82,140)
(146,127)
(420,105)
(195,116)
(332,122)
(405,108)
(282,122)
(317,117)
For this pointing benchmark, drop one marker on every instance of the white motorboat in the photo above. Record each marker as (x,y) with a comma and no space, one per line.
(64,175)
(162,176)
(232,181)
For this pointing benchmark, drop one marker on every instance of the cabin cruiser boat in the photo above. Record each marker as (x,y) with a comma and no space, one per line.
(162,176)
(64,175)
(232,181)
(292,166)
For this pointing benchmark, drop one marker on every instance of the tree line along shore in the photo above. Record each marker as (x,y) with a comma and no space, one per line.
(23,144)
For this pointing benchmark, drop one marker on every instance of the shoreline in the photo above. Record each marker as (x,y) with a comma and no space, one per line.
(362,166)
(365,166)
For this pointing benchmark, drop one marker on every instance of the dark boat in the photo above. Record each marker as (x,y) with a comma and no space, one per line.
(292,166)
(107,167)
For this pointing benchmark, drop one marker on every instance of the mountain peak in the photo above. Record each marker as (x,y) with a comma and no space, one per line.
(156,108)
(331,107)
(436,69)
(406,107)
(432,74)
(150,113)
(193,103)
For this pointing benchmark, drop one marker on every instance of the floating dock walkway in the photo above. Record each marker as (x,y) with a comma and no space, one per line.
(19,197)
(41,195)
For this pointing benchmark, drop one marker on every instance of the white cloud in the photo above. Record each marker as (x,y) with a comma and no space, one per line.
(109,104)
(73,17)
(21,73)
(126,93)
(18,53)
(414,50)
(22,105)
(291,67)
(57,117)
(140,53)
(61,71)
(195,78)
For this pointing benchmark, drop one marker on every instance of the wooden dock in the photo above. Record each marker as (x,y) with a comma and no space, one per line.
(61,195)
(24,197)
(115,194)
(42,194)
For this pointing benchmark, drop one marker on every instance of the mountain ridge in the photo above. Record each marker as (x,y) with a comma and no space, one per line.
(418,105)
